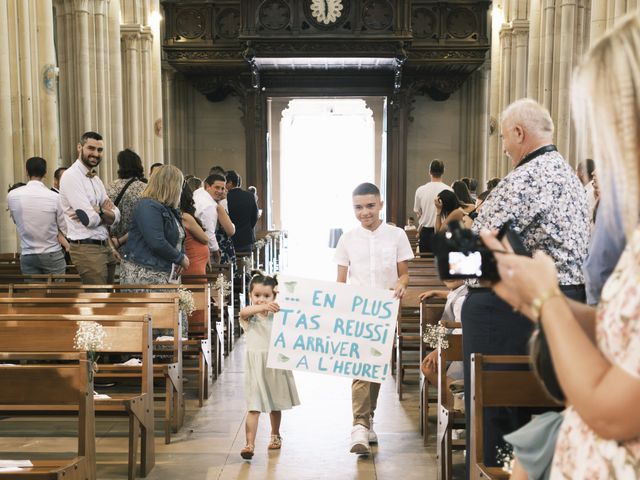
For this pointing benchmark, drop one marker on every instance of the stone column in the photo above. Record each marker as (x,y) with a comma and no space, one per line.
(115,81)
(521,40)
(548,19)
(48,80)
(495,147)
(8,240)
(132,93)
(568,41)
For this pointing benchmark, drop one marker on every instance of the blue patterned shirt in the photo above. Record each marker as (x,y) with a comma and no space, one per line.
(548,206)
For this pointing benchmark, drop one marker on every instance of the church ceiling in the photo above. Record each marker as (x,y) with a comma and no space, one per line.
(425,44)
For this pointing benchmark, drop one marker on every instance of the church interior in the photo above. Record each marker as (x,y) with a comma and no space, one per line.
(304,100)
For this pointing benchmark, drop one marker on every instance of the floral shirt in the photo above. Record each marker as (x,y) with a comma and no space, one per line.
(580,453)
(548,206)
(127,203)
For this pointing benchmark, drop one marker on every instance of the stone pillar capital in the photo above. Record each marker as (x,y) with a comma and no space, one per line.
(81,6)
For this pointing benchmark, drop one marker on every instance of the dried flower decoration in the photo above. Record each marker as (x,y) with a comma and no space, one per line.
(222,285)
(186,303)
(436,335)
(505,458)
(90,338)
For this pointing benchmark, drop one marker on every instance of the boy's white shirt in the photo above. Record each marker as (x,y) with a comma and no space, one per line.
(372,257)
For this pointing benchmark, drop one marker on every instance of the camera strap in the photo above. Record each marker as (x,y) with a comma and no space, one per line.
(536,153)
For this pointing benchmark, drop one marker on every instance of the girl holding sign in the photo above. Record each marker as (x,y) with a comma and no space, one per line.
(267,389)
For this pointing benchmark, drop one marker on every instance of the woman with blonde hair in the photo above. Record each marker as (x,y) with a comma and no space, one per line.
(155,247)
(595,351)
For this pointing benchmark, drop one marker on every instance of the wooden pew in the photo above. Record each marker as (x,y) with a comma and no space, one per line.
(448,416)
(124,334)
(430,314)
(64,384)
(407,334)
(499,388)
(199,343)
(164,311)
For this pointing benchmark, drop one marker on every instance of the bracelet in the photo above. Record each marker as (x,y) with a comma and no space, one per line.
(538,302)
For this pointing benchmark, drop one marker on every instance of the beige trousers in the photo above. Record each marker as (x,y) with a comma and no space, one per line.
(95,263)
(364,398)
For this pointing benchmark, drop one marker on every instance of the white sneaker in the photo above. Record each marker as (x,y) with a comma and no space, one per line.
(360,440)
(373,438)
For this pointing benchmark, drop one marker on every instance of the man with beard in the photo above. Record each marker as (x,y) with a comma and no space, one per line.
(89,212)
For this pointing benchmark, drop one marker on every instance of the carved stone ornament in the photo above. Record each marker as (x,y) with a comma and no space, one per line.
(326,11)
(228,23)
(424,23)
(461,23)
(274,14)
(377,14)
(190,23)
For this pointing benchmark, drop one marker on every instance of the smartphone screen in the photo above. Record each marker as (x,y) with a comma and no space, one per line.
(465,265)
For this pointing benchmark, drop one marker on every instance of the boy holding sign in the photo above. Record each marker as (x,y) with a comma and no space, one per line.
(375,255)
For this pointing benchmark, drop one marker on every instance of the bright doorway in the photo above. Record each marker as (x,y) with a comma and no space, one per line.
(326,148)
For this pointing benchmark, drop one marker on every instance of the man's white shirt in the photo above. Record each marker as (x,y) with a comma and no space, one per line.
(425,196)
(37,213)
(372,257)
(79,192)
(207,212)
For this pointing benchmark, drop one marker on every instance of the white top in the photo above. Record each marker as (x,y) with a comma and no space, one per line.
(425,195)
(591,198)
(79,192)
(372,257)
(207,212)
(37,213)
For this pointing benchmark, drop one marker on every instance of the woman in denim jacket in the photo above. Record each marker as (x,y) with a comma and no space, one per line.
(156,237)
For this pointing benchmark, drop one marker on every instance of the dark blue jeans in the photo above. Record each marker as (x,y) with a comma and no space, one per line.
(491,327)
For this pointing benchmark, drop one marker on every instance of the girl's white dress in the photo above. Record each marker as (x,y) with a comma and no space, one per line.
(266,389)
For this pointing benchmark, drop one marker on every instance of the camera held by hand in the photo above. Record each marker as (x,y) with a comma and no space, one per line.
(460,253)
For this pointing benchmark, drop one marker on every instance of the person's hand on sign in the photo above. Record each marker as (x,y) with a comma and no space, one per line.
(269,307)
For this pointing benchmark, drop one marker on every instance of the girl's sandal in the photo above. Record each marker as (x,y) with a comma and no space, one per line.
(247,452)
(275,443)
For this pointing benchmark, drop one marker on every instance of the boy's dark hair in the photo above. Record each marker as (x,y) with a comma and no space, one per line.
(87,135)
(217,169)
(58,172)
(130,164)
(473,184)
(215,177)
(366,189)
(493,183)
(155,165)
(36,167)
(436,168)
(234,178)
(260,278)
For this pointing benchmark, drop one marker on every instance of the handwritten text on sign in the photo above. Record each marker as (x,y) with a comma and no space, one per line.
(333,328)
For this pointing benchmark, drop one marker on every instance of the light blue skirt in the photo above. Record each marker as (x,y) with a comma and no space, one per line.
(535,443)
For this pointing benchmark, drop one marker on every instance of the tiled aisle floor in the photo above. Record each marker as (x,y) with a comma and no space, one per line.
(315,446)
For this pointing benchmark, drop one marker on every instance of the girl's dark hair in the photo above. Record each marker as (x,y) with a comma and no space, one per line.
(449,202)
(257,277)
(187,205)
(462,192)
(130,164)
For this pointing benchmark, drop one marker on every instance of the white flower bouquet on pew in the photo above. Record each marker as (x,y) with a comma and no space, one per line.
(186,303)
(90,338)
(436,335)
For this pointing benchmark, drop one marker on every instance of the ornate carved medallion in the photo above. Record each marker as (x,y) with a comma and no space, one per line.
(326,11)
(190,23)
(461,23)
(228,23)
(423,23)
(274,14)
(377,14)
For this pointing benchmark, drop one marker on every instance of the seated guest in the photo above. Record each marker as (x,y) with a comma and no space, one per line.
(243,212)
(196,242)
(37,213)
(155,248)
(194,183)
(595,351)
(455,298)
(493,183)
(153,167)
(124,192)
